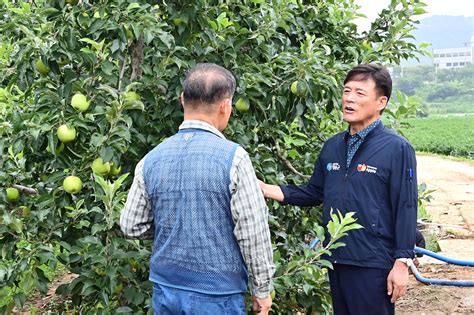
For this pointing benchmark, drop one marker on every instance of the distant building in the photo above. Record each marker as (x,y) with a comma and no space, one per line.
(454,57)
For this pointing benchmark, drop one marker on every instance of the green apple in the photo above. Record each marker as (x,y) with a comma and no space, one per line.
(118,288)
(99,167)
(25,211)
(62,61)
(66,134)
(79,101)
(13,194)
(72,184)
(114,170)
(132,96)
(128,32)
(242,105)
(177,21)
(58,149)
(41,67)
(298,88)
(294,87)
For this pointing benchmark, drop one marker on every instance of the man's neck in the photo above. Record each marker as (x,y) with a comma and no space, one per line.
(355,128)
(205,118)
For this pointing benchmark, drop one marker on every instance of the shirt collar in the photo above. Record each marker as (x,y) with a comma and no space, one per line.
(199,124)
(364,132)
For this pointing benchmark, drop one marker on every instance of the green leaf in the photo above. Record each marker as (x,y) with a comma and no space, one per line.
(28,282)
(19,299)
(124,310)
(133,6)
(129,105)
(16,225)
(299,142)
(109,90)
(337,245)
(292,265)
(106,153)
(95,45)
(307,288)
(325,263)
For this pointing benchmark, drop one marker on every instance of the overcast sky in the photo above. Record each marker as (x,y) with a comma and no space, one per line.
(371,8)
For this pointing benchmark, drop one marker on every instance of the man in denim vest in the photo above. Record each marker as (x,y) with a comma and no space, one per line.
(197,197)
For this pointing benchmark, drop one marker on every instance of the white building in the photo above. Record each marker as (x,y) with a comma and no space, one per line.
(454,57)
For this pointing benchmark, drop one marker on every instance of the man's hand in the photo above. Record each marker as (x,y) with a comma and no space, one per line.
(397,281)
(271,191)
(262,305)
(262,186)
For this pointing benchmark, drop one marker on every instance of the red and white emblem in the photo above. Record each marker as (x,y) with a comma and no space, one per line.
(361,167)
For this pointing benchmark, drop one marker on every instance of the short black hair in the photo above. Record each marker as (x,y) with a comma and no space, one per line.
(380,75)
(206,84)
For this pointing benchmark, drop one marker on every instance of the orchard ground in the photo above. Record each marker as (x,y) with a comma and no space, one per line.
(453,203)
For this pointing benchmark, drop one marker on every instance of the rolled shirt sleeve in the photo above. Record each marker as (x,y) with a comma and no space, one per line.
(136,218)
(250,216)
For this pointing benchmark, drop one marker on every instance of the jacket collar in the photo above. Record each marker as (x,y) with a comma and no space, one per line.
(367,132)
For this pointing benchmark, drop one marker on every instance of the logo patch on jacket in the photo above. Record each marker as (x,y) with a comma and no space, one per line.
(333,167)
(188,136)
(366,168)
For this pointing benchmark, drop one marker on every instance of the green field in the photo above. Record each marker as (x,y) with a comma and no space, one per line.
(450,107)
(443,134)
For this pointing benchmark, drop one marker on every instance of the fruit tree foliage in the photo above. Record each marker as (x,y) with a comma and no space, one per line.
(128,59)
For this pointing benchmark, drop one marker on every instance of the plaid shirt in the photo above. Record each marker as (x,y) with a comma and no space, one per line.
(248,207)
(354,141)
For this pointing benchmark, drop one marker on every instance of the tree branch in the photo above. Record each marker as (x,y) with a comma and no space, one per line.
(122,73)
(288,163)
(136,56)
(26,190)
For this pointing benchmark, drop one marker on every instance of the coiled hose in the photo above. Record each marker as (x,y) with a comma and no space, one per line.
(419,277)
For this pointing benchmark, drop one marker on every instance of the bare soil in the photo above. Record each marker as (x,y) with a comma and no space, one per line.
(38,304)
(436,299)
(453,204)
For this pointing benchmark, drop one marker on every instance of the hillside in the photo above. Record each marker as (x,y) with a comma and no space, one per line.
(443,31)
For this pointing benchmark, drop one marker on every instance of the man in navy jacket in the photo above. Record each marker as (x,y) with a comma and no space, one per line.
(370,170)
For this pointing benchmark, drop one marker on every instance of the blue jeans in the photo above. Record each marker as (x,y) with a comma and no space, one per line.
(172,301)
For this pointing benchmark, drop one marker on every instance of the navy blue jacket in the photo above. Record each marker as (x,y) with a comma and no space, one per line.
(380,186)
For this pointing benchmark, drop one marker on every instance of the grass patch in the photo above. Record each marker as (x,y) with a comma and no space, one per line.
(422,213)
(432,240)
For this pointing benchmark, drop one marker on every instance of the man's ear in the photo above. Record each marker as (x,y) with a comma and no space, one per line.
(182,100)
(382,103)
(224,105)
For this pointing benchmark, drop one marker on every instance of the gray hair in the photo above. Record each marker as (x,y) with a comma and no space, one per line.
(206,84)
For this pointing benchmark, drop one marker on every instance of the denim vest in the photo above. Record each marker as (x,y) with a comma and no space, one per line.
(187,178)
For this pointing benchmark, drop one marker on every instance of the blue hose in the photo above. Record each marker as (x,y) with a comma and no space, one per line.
(419,277)
(459,283)
(314,243)
(445,259)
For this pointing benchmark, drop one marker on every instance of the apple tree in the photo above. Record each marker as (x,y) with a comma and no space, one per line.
(88,87)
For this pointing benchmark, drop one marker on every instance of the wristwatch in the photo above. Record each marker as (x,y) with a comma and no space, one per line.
(406,261)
